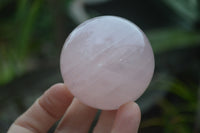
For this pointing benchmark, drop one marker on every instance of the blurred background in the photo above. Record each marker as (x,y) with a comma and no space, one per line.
(32,33)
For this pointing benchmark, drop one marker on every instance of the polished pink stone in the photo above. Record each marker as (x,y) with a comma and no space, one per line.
(107,61)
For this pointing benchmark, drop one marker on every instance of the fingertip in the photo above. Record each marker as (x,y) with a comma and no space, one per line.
(78,118)
(60,92)
(61,87)
(132,109)
(56,99)
(127,118)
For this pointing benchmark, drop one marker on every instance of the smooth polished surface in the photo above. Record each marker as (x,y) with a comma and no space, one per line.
(106,62)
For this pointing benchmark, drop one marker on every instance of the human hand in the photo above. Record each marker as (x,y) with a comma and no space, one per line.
(58,102)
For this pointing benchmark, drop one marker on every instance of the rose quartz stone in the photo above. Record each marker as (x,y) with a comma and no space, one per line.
(107,61)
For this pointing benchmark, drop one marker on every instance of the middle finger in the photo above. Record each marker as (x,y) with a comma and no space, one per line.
(77,119)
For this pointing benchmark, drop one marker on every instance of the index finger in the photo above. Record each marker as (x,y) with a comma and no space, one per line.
(44,112)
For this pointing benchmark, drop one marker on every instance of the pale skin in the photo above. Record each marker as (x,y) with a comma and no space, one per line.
(58,103)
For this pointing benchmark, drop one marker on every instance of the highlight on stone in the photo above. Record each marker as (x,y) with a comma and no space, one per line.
(107,61)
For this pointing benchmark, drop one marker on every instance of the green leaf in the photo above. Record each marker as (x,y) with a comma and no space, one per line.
(22,40)
(187,10)
(163,40)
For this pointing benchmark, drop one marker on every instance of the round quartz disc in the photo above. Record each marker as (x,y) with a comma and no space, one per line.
(107,61)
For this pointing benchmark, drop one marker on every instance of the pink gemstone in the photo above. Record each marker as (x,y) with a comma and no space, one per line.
(107,61)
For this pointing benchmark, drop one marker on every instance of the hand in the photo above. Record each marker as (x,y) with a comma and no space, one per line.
(58,102)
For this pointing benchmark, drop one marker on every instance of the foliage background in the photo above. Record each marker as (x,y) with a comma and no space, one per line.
(32,33)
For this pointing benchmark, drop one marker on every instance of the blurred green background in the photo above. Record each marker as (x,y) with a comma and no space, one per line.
(32,33)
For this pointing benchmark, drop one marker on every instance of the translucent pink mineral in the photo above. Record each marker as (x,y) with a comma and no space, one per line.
(107,61)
